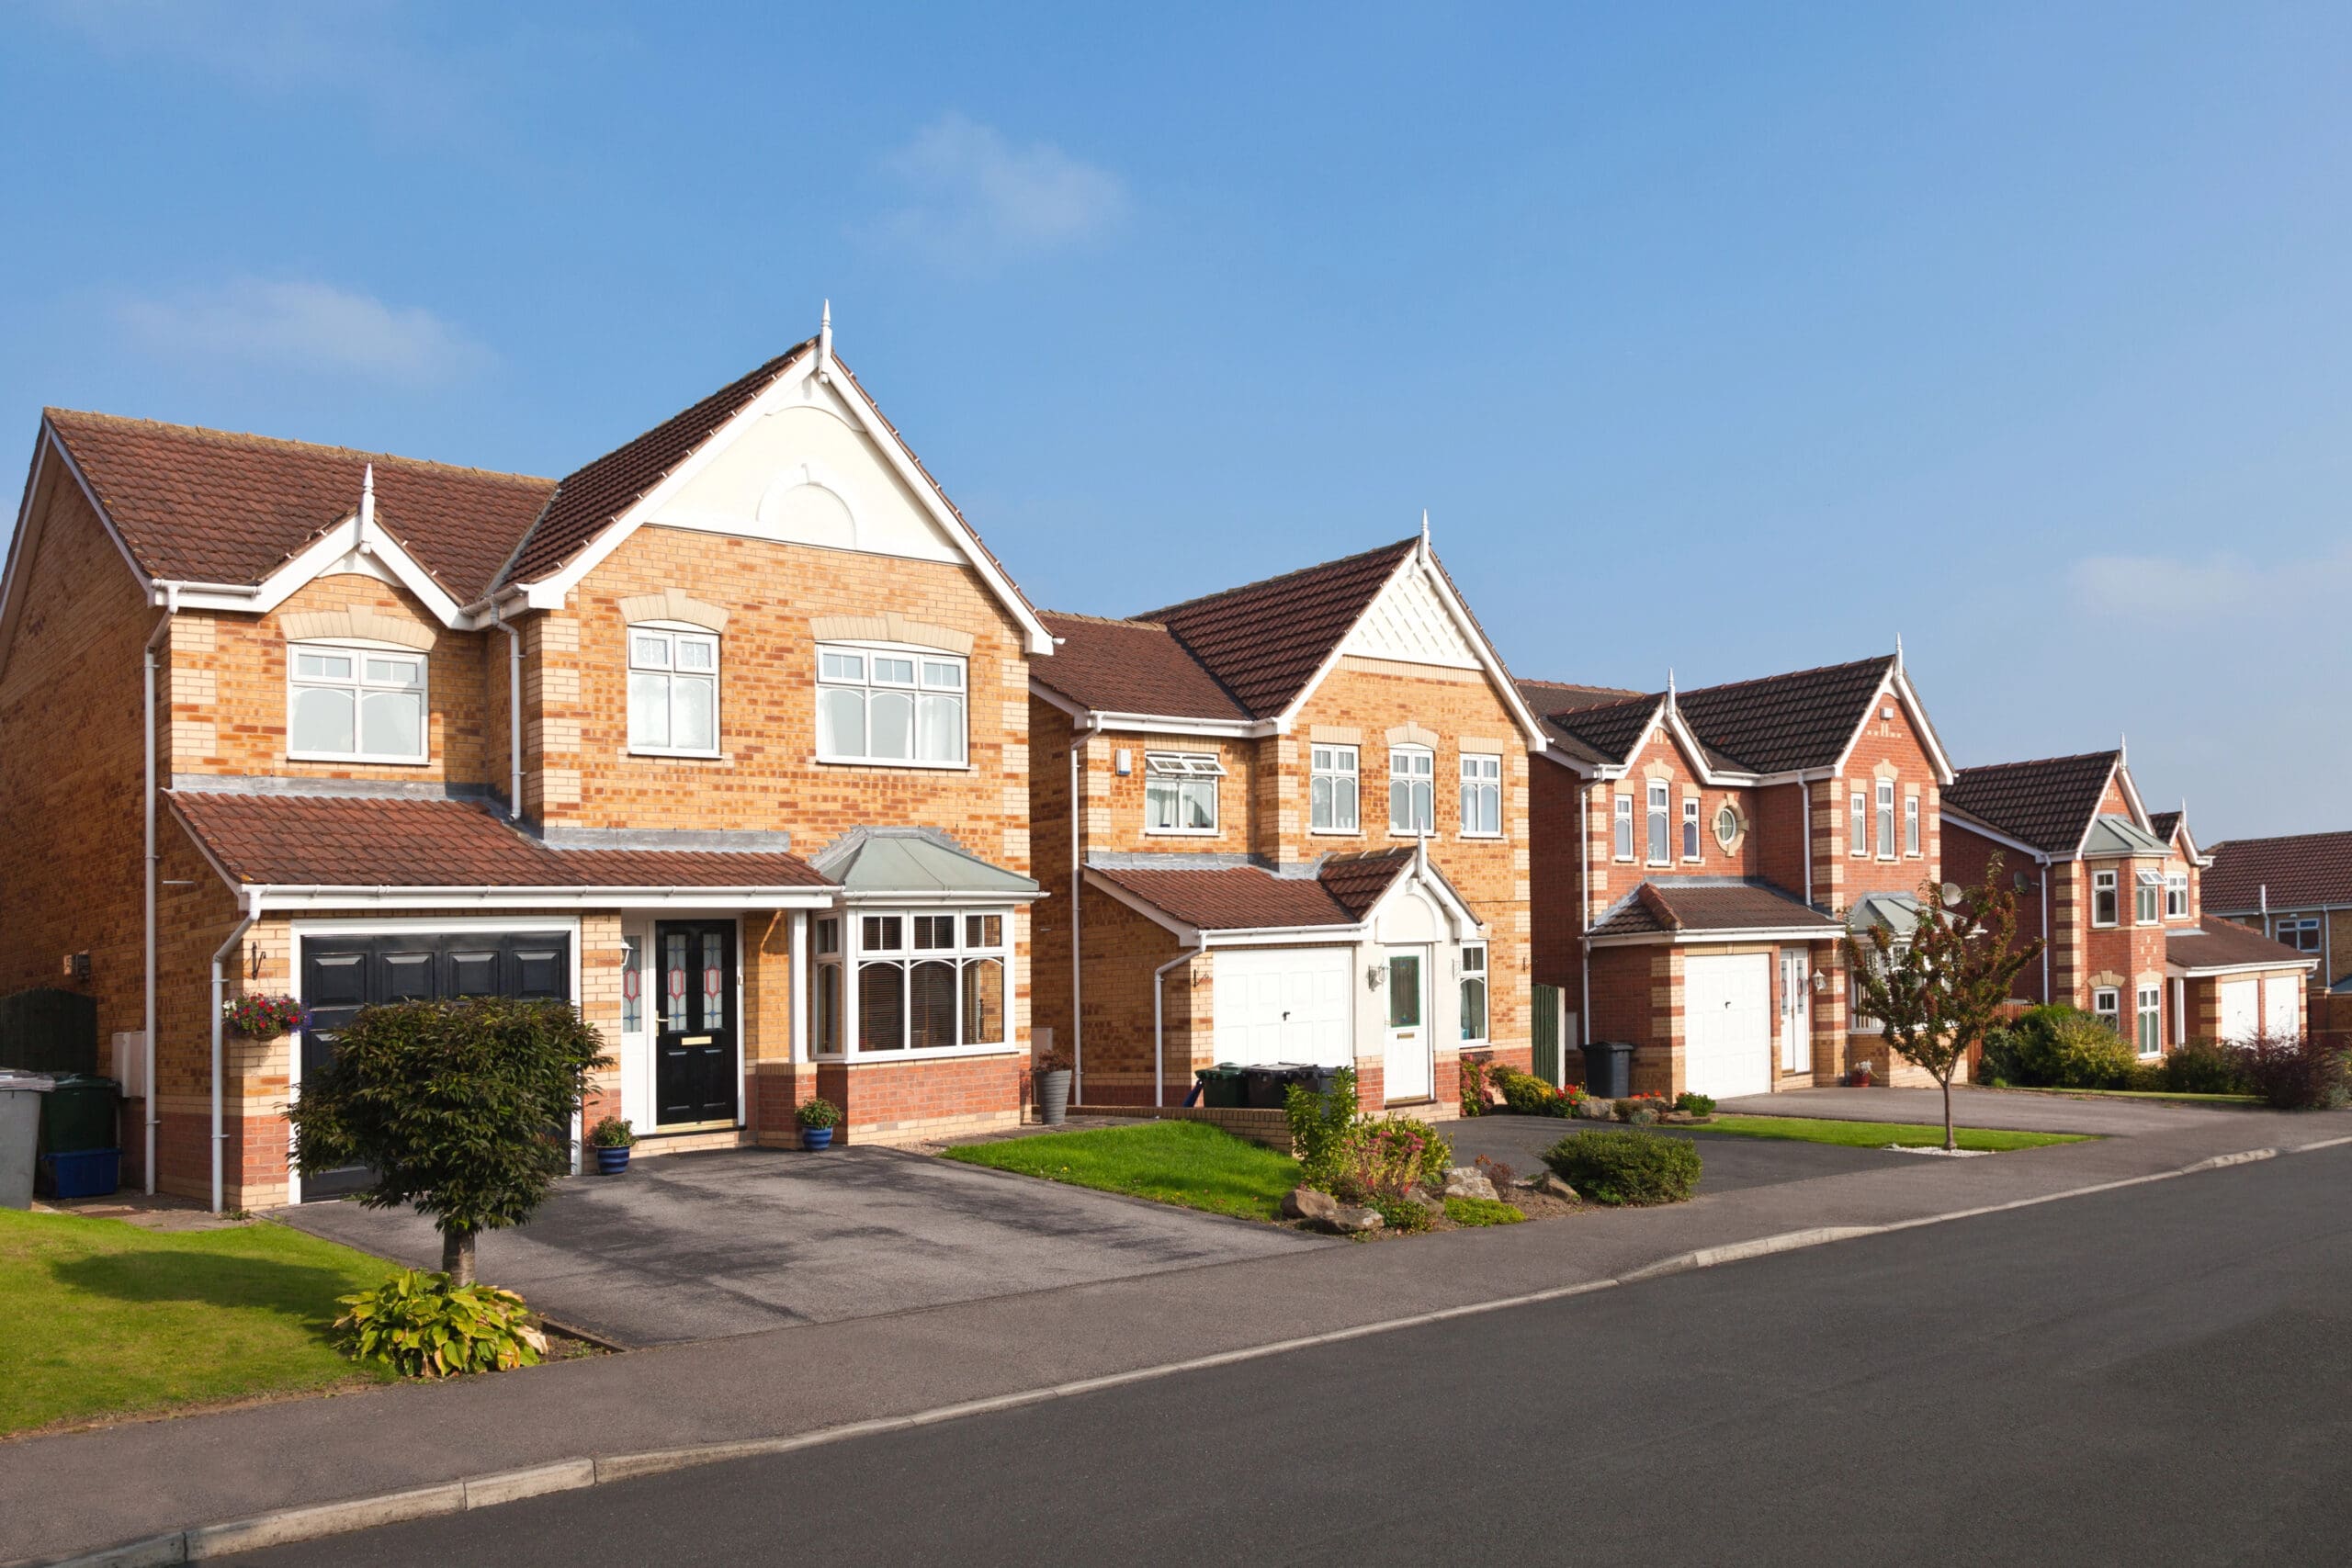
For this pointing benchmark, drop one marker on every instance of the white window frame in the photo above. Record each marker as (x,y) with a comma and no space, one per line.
(2107,1006)
(2110,884)
(673,636)
(1474,971)
(1419,785)
(1725,838)
(922,687)
(359,651)
(2176,894)
(1621,823)
(1858,826)
(1911,840)
(1329,767)
(1657,819)
(2148,1036)
(847,949)
(2289,929)
(1886,818)
(1694,832)
(1482,788)
(1181,777)
(2147,898)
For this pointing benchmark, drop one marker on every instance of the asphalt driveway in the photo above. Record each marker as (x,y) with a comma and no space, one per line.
(1726,1164)
(2109,1116)
(703,1246)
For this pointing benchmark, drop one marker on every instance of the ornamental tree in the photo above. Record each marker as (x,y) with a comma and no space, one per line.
(1939,989)
(462,1109)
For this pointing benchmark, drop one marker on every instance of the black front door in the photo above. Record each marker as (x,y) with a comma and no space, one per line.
(694,1049)
(341,975)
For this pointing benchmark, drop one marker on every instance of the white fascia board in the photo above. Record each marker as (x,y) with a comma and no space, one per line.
(278,898)
(1898,686)
(2084,842)
(2131,793)
(26,539)
(316,557)
(934,898)
(1577,765)
(1289,936)
(1529,727)
(2206,971)
(1954,816)
(1671,715)
(1424,873)
(1095,720)
(1725,937)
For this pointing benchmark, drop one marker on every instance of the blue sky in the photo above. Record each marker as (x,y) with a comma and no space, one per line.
(1734,339)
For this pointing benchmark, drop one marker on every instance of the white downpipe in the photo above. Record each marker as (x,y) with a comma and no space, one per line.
(1079,732)
(2048,936)
(147,1024)
(513,712)
(1159,1032)
(1584,920)
(1806,785)
(219,1001)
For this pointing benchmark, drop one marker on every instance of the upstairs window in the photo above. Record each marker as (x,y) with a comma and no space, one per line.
(1690,826)
(1658,846)
(1858,826)
(2147,894)
(1624,827)
(1412,785)
(2176,894)
(900,708)
(1886,819)
(1911,826)
(1482,796)
(2298,931)
(1332,789)
(348,704)
(1180,792)
(672,692)
(2104,905)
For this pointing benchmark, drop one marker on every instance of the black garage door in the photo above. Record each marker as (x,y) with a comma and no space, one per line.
(341,975)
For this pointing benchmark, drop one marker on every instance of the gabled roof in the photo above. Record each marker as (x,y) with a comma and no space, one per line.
(2113,835)
(200,505)
(1605,730)
(1694,907)
(2164,824)
(1783,723)
(2303,871)
(1210,895)
(2048,803)
(1135,667)
(1264,641)
(2224,944)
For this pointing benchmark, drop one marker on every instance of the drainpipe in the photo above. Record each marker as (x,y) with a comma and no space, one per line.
(147,1043)
(1079,732)
(1584,919)
(2048,936)
(1158,1036)
(1806,785)
(220,999)
(513,711)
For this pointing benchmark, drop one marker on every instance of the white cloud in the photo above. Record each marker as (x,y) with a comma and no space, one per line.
(2219,585)
(304,326)
(979,199)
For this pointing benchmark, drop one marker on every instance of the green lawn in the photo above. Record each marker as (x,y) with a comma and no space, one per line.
(1188,1163)
(1878,1135)
(99,1317)
(2152,1096)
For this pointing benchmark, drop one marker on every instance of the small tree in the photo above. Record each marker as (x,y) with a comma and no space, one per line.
(1938,990)
(460,1107)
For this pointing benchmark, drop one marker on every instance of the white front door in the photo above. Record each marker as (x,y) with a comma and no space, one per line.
(1796,1011)
(1406,1074)
(1284,1004)
(1727,1023)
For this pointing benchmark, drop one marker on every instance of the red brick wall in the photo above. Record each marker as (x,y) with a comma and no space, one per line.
(885,1103)
(1968,860)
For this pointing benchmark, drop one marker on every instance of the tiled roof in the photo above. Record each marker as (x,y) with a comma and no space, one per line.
(1781,723)
(2304,871)
(2223,945)
(1264,641)
(1610,729)
(2048,804)
(2164,824)
(589,498)
(1248,898)
(1130,667)
(336,841)
(213,506)
(1694,906)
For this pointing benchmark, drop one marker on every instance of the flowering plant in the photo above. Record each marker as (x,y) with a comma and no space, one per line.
(262,1017)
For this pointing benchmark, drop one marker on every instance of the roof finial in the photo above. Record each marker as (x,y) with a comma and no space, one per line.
(825,344)
(2122,747)
(368,499)
(1669,682)
(1898,650)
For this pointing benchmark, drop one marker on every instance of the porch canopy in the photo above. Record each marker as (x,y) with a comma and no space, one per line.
(1683,909)
(915,865)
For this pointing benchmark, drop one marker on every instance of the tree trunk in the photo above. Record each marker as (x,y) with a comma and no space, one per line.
(457,1257)
(1950,1142)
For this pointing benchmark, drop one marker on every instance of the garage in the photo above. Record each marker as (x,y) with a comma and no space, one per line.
(1727,1023)
(1284,1004)
(2241,1010)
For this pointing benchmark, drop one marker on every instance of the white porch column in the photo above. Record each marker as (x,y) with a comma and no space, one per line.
(850,936)
(799,982)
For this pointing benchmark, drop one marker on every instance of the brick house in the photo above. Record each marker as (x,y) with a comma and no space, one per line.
(724,736)
(2116,891)
(1699,856)
(1292,821)
(2297,890)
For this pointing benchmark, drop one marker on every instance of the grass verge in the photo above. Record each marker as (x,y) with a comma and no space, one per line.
(1878,1135)
(2145,1096)
(99,1317)
(1188,1163)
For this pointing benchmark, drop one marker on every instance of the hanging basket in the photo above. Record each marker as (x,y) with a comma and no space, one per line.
(262,1018)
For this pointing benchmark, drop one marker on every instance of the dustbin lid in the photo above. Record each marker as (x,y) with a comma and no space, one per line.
(85,1081)
(26,1083)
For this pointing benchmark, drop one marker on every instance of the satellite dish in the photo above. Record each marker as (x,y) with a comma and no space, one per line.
(1951,894)
(2023,881)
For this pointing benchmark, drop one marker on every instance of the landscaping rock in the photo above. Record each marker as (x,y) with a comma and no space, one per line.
(1307,1203)
(1598,1110)
(1468,1181)
(1349,1222)
(1552,1186)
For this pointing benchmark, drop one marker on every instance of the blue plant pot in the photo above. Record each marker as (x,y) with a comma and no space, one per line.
(611,1162)
(816,1137)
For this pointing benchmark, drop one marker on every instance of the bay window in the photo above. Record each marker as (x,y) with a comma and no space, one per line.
(672,691)
(2150,1021)
(2105,907)
(900,707)
(1412,791)
(1180,792)
(354,704)
(1474,992)
(926,981)
(1482,796)
(2147,893)
(1331,789)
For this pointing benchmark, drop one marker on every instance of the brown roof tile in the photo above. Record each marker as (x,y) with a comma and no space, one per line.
(1230,897)
(2223,945)
(1358,881)
(2302,872)
(1264,641)
(1688,906)
(306,840)
(214,506)
(1781,723)
(2048,803)
(1130,667)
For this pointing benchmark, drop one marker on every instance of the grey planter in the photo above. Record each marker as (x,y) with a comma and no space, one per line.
(1053,1097)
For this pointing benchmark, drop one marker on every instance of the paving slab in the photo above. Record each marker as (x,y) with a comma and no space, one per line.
(704,1245)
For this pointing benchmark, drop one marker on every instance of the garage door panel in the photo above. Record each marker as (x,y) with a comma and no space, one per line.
(1727,1023)
(1285,1005)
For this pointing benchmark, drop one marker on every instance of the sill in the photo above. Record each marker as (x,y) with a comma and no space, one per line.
(937,1053)
(650,754)
(1180,832)
(1335,833)
(963,767)
(1480,838)
(349,760)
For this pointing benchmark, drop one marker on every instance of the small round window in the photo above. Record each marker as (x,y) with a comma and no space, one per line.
(1726,825)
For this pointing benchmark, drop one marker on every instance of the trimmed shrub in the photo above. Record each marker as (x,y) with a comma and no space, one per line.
(2147,1077)
(2207,1066)
(1408,1215)
(2293,1073)
(420,1328)
(1635,1167)
(2064,1047)
(1692,1103)
(1528,1095)
(1998,1066)
(1483,1212)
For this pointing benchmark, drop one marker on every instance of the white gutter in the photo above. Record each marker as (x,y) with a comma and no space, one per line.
(1158,1035)
(219,1001)
(513,711)
(147,1043)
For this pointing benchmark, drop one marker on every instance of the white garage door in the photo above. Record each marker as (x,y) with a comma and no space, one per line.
(1727,1023)
(2241,1009)
(2282,1005)
(1285,1004)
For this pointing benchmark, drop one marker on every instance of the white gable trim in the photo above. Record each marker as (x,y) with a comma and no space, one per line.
(548,592)
(1897,684)
(1150,723)
(2092,821)
(2131,793)
(352,534)
(1954,818)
